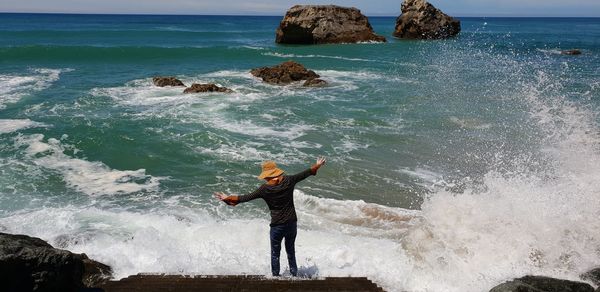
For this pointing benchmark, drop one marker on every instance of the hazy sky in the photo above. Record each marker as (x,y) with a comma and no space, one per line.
(278,7)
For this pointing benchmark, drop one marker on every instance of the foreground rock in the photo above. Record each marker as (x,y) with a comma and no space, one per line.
(287,72)
(592,276)
(209,87)
(421,20)
(571,52)
(542,284)
(31,264)
(162,81)
(325,24)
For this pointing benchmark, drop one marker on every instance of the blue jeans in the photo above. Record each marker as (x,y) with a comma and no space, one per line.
(278,233)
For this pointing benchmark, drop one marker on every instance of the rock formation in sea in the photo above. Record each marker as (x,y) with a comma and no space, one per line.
(209,87)
(542,284)
(31,264)
(325,24)
(287,72)
(162,81)
(421,20)
(315,82)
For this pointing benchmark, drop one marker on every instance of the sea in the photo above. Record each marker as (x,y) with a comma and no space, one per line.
(453,165)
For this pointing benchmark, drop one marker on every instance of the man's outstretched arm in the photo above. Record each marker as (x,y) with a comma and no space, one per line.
(311,171)
(234,200)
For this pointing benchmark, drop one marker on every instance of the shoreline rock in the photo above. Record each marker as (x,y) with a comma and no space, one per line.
(288,72)
(421,20)
(31,264)
(162,81)
(208,87)
(325,24)
(542,284)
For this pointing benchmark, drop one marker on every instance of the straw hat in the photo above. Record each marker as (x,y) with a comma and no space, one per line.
(269,169)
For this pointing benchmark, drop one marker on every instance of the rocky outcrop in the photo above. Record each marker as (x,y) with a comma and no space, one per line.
(286,73)
(571,52)
(31,264)
(209,87)
(421,20)
(162,81)
(325,24)
(542,284)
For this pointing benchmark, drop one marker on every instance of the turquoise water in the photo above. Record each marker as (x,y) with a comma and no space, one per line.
(439,152)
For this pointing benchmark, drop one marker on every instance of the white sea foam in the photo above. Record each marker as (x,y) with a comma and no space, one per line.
(91,178)
(15,87)
(11,125)
(280,55)
(519,223)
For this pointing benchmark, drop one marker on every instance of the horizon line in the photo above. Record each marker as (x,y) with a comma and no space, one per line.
(271,15)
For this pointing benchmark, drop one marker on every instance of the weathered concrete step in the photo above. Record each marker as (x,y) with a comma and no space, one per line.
(250,283)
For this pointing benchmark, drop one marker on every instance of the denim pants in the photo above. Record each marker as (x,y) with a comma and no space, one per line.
(285,231)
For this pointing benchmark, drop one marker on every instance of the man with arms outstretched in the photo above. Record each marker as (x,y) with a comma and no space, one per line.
(278,192)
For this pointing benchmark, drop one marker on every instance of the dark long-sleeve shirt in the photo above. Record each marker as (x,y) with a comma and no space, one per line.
(280,197)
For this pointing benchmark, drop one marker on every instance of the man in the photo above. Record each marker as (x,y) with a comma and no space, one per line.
(278,192)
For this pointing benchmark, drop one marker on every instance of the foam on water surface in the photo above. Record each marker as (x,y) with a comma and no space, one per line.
(13,125)
(88,177)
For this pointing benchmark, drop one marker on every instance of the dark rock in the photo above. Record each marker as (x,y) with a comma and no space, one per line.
(421,20)
(209,87)
(163,81)
(315,82)
(95,274)
(542,284)
(325,24)
(592,276)
(31,264)
(571,52)
(284,73)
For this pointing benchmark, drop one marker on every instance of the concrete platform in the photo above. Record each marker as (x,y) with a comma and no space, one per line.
(176,283)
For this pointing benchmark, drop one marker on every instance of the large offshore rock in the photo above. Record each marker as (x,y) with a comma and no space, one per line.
(325,24)
(285,73)
(421,20)
(31,264)
(542,284)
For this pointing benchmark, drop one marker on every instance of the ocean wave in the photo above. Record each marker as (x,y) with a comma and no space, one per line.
(91,178)
(336,238)
(13,87)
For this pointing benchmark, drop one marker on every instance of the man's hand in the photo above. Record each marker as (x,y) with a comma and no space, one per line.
(320,162)
(229,200)
(316,166)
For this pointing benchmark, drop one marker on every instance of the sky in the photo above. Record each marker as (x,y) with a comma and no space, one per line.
(573,8)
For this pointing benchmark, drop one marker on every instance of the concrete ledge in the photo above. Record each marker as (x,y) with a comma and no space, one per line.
(246,283)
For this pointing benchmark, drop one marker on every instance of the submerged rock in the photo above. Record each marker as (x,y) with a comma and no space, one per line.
(421,20)
(325,24)
(285,73)
(315,82)
(31,264)
(542,284)
(571,52)
(162,81)
(209,87)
